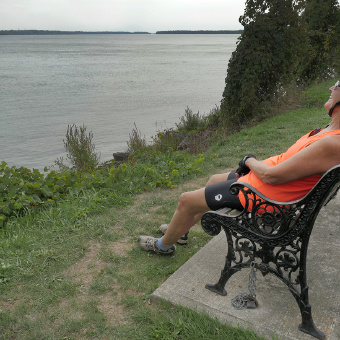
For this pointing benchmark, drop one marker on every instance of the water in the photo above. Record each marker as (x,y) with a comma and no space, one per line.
(108,83)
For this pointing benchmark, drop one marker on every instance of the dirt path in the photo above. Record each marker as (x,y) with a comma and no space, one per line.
(87,271)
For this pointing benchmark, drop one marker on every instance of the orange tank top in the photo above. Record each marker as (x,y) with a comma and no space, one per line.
(290,191)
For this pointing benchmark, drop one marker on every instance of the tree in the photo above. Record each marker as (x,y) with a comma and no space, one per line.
(321,19)
(266,57)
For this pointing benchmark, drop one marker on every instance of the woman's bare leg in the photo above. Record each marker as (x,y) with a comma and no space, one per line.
(191,207)
(190,204)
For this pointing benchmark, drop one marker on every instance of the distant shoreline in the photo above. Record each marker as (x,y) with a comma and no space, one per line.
(47,32)
(201,32)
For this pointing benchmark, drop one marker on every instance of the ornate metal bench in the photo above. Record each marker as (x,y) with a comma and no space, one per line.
(273,235)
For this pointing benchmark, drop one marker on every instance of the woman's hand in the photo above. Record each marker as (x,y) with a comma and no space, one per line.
(242,167)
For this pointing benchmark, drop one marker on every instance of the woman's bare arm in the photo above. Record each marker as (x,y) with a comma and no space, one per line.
(315,159)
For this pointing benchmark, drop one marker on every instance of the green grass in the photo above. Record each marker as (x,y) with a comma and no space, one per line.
(74,271)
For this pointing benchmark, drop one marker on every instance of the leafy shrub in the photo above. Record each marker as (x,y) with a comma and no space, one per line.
(22,189)
(191,121)
(136,143)
(80,149)
(167,140)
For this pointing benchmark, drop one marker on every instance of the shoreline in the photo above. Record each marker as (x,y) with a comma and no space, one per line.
(55,32)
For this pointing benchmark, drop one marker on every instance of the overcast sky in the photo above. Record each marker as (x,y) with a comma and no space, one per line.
(121,15)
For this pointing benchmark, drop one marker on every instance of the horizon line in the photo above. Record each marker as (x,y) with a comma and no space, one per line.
(110,31)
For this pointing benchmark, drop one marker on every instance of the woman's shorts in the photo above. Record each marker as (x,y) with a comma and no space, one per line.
(218,196)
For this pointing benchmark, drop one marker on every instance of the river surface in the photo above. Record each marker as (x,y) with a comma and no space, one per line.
(107,83)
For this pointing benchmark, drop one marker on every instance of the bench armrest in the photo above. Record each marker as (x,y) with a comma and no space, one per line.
(265,219)
(236,187)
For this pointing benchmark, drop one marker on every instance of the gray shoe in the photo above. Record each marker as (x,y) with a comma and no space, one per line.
(148,243)
(183,240)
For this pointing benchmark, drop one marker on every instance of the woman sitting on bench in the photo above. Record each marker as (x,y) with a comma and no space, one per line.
(284,178)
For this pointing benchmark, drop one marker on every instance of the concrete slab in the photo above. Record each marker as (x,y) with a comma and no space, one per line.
(278,315)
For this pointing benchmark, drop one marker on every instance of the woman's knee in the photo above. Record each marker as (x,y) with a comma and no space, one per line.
(212,180)
(192,202)
(184,200)
(217,178)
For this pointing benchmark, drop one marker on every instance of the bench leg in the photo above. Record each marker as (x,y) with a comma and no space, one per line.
(227,271)
(308,326)
(301,297)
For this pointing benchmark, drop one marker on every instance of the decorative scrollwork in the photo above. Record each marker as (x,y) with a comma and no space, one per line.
(289,262)
(269,219)
(211,228)
(245,249)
